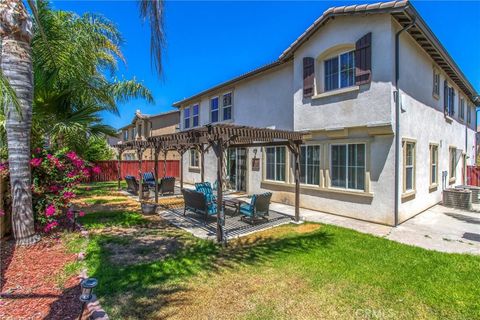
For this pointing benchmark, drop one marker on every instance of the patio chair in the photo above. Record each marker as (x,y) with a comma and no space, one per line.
(166,185)
(257,208)
(133,186)
(206,189)
(197,202)
(149,179)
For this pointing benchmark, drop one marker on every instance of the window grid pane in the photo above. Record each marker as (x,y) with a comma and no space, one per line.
(347,70)
(331,74)
(214,109)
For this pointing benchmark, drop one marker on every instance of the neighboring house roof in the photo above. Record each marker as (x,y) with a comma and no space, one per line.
(140,115)
(402,11)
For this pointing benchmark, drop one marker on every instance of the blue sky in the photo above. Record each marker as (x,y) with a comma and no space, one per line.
(210,42)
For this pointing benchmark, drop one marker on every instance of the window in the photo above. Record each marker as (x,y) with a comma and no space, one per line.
(340,71)
(409,166)
(453,163)
(436,83)
(195,115)
(310,165)
(275,163)
(469,115)
(186,118)
(134,133)
(449,98)
(125,135)
(227,106)
(194,158)
(348,166)
(214,109)
(433,164)
(140,132)
(462,109)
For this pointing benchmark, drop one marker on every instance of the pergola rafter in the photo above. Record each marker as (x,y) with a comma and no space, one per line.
(220,137)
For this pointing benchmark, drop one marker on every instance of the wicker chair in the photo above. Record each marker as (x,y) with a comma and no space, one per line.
(257,208)
(133,186)
(197,202)
(166,185)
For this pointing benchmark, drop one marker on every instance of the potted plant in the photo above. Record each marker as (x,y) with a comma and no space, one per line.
(148,207)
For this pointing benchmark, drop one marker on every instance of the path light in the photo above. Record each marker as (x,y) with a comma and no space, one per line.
(87,289)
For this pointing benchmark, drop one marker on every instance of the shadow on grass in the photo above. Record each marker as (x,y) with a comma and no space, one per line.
(141,290)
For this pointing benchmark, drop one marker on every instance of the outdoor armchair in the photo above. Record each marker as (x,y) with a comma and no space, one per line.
(166,185)
(149,179)
(133,186)
(197,202)
(257,208)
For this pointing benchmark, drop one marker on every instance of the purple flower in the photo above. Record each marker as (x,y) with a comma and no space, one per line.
(36,162)
(50,226)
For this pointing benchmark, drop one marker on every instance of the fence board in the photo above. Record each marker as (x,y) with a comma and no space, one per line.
(130,168)
(473,176)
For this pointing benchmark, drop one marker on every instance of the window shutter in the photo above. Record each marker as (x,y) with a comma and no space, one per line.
(452,99)
(363,59)
(445,97)
(308,76)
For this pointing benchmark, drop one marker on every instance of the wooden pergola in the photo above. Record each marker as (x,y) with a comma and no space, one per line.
(218,137)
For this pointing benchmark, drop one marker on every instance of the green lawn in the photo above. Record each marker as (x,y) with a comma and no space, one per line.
(149,270)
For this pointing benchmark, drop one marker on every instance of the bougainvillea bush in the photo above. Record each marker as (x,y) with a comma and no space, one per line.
(54,177)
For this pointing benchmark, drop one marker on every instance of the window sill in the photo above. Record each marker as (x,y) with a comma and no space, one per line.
(448,119)
(433,187)
(336,92)
(290,187)
(194,169)
(452,180)
(408,195)
(436,96)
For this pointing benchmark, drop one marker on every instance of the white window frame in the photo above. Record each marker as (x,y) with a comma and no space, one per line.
(339,77)
(218,109)
(125,135)
(194,160)
(461,107)
(469,114)
(407,142)
(227,106)
(436,83)
(452,164)
(195,116)
(306,164)
(275,163)
(347,166)
(185,118)
(433,151)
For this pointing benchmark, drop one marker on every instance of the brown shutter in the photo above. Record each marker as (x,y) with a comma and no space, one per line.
(308,76)
(363,59)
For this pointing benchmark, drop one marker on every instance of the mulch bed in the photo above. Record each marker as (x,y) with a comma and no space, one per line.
(28,286)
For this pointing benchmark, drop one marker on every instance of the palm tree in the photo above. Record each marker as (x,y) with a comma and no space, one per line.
(16,84)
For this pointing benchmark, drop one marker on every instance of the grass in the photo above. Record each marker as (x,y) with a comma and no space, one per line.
(307,271)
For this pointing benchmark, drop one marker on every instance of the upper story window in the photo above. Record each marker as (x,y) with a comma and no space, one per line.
(462,109)
(186,118)
(134,132)
(469,115)
(214,109)
(125,135)
(340,71)
(448,99)
(227,106)
(436,83)
(191,116)
(140,132)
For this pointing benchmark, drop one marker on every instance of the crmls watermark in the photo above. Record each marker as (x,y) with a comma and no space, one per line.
(380,314)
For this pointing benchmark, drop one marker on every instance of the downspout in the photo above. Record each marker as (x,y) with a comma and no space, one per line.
(397,119)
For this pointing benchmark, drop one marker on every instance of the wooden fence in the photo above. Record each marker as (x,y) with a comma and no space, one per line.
(130,168)
(473,176)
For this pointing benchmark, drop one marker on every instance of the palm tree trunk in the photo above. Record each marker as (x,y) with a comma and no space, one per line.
(16,64)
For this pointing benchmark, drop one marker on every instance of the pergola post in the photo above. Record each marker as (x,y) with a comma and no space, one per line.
(181,151)
(202,164)
(140,178)
(165,163)
(295,148)
(119,171)
(156,151)
(218,149)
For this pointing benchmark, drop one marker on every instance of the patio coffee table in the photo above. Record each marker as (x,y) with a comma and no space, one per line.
(232,203)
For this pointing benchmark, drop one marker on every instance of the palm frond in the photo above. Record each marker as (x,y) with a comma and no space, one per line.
(8,96)
(153,11)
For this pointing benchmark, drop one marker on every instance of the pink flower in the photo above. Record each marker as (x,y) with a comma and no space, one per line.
(96,169)
(71,155)
(70,214)
(78,163)
(38,150)
(49,156)
(68,195)
(50,226)
(54,188)
(50,211)
(71,174)
(81,213)
(85,172)
(36,162)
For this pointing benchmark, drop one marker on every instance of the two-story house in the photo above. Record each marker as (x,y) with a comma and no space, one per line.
(143,126)
(391,118)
